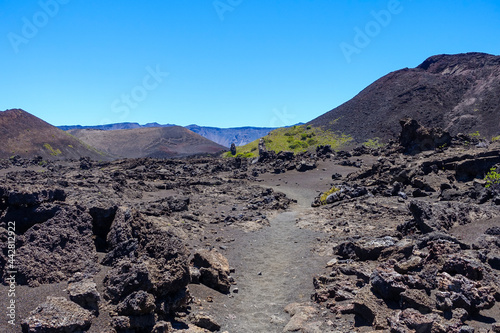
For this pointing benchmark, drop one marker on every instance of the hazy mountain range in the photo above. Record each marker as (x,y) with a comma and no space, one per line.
(224,136)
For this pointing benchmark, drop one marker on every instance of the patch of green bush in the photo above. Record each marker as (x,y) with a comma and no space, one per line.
(298,138)
(475,135)
(52,151)
(492,178)
(373,143)
(322,198)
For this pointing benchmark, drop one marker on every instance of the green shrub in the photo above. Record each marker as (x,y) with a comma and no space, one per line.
(52,151)
(495,138)
(492,178)
(298,138)
(311,141)
(373,143)
(475,135)
(322,198)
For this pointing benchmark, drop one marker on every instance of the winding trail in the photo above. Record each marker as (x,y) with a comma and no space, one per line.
(274,267)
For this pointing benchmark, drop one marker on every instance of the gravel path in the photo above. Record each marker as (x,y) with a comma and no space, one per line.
(274,267)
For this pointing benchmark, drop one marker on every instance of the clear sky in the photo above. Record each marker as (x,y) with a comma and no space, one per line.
(220,63)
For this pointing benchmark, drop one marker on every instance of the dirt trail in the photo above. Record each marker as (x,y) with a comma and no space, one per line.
(274,267)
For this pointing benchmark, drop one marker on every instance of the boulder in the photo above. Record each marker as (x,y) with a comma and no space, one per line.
(370,308)
(205,321)
(85,163)
(232,150)
(414,138)
(36,197)
(365,249)
(460,292)
(324,150)
(145,257)
(57,314)
(136,304)
(411,319)
(178,204)
(120,241)
(83,290)
(468,267)
(214,270)
(443,215)
(388,283)
(56,249)
(285,155)
(417,299)
(304,166)
(129,324)
(125,278)
(301,314)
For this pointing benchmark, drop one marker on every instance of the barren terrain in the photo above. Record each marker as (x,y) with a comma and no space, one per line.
(406,242)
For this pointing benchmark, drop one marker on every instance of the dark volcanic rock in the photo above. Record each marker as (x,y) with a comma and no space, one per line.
(214,270)
(147,259)
(206,322)
(233,149)
(57,315)
(83,290)
(411,319)
(415,138)
(442,216)
(460,292)
(137,303)
(120,241)
(58,248)
(32,198)
(388,283)
(303,166)
(366,249)
(125,278)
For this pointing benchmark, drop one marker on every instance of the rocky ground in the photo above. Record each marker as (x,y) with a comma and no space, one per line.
(395,239)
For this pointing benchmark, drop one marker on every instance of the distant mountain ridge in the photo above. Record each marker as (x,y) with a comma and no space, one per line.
(27,136)
(111,127)
(459,93)
(224,136)
(155,142)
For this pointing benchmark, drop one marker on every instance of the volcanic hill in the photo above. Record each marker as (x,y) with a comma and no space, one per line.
(456,92)
(25,135)
(223,136)
(156,142)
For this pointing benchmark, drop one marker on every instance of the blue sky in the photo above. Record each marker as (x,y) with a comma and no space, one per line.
(220,63)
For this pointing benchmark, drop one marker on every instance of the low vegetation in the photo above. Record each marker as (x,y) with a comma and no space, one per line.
(492,178)
(52,151)
(373,143)
(495,138)
(325,195)
(475,135)
(297,139)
